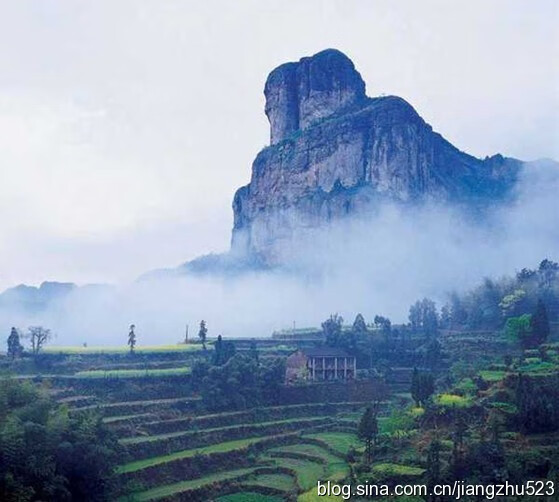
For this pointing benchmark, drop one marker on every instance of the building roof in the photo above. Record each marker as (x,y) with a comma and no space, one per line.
(325,352)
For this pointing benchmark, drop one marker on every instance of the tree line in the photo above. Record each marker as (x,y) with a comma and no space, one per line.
(46,454)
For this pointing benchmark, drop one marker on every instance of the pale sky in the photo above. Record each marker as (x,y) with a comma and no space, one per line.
(126,126)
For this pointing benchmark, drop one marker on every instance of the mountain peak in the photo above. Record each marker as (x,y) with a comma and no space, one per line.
(299,94)
(335,152)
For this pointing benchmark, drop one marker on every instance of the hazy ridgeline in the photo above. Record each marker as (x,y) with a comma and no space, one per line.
(374,265)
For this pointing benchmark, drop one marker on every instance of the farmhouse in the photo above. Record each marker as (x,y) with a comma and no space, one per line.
(317,364)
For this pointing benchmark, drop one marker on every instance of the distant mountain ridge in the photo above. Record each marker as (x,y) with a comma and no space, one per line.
(34,299)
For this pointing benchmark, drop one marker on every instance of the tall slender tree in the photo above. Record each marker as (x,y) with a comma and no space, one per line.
(253,352)
(218,351)
(132,338)
(332,329)
(368,431)
(415,386)
(547,272)
(359,325)
(422,386)
(539,322)
(433,474)
(203,333)
(15,348)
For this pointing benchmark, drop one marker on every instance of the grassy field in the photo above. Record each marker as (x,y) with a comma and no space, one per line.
(492,375)
(121,349)
(453,401)
(184,370)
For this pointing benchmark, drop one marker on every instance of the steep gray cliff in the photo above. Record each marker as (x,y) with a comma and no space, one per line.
(335,152)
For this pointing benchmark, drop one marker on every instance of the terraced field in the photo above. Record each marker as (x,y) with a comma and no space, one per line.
(270,453)
(277,471)
(186,486)
(270,458)
(174,451)
(138,407)
(341,442)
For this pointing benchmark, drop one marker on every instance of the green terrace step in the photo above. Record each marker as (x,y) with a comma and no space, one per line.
(159,437)
(306,471)
(184,486)
(335,465)
(179,455)
(150,364)
(311,450)
(146,349)
(190,464)
(133,373)
(148,446)
(249,416)
(324,465)
(78,401)
(279,481)
(249,495)
(133,407)
(126,418)
(340,442)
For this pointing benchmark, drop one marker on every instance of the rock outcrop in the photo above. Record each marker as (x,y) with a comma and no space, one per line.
(336,152)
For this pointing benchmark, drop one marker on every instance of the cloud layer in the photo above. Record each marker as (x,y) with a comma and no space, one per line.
(375,265)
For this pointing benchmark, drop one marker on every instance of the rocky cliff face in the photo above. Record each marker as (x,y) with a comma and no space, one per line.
(335,152)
